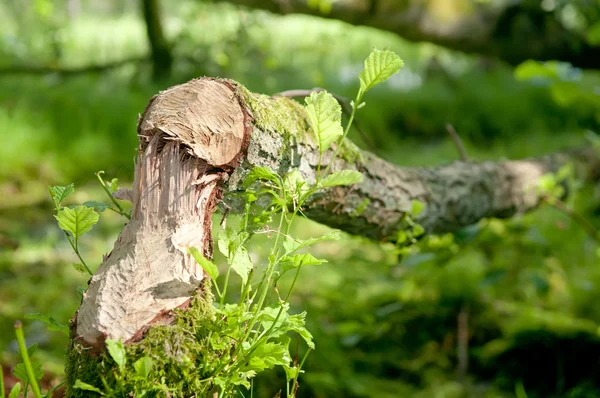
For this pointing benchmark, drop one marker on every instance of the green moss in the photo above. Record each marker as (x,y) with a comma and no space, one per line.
(184,355)
(281,115)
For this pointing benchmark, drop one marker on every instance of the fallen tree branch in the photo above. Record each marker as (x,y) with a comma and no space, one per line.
(198,141)
(488,29)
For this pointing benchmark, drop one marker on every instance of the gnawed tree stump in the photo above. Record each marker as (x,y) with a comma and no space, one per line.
(197,142)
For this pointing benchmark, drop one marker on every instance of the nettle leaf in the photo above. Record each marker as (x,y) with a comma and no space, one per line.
(261,173)
(97,205)
(268,315)
(59,193)
(77,220)
(299,260)
(20,372)
(291,245)
(266,356)
(208,266)
(297,323)
(87,387)
(51,323)
(117,352)
(325,115)
(379,66)
(143,366)
(342,177)
(241,263)
(15,391)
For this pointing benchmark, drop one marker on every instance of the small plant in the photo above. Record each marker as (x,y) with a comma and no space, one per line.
(259,321)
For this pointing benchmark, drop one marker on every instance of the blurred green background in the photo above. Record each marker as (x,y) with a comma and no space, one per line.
(499,309)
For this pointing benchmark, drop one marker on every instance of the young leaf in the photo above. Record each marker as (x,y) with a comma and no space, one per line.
(59,193)
(261,173)
(417,207)
(208,266)
(20,372)
(242,264)
(342,177)
(87,387)
(50,322)
(15,391)
(266,356)
(96,205)
(117,352)
(114,184)
(299,260)
(77,220)
(297,323)
(325,115)
(379,66)
(143,366)
(291,245)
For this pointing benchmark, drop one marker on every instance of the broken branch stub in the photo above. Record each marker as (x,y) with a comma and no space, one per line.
(191,137)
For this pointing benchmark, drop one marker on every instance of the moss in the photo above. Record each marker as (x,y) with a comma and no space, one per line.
(184,355)
(281,115)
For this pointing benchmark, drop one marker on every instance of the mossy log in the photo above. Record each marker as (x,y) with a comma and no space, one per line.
(198,141)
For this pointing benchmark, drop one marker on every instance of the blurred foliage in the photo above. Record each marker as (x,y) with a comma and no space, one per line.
(384,325)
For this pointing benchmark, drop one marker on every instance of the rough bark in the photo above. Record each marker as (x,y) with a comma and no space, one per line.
(514,33)
(199,140)
(162,60)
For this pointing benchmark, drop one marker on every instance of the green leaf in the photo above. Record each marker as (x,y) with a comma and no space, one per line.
(208,266)
(362,206)
(97,205)
(325,115)
(297,323)
(291,245)
(266,356)
(379,66)
(261,173)
(15,391)
(290,372)
(241,263)
(342,177)
(87,387)
(79,268)
(20,372)
(114,184)
(299,260)
(417,207)
(59,193)
(143,366)
(117,352)
(77,220)
(51,323)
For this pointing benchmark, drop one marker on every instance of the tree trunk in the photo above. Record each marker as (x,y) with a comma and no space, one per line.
(162,60)
(512,32)
(197,143)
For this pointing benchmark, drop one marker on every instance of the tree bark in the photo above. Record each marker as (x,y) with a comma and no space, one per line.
(514,33)
(162,60)
(198,141)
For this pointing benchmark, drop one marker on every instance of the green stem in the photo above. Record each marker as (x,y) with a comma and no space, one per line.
(110,195)
(346,130)
(76,250)
(222,296)
(294,383)
(2,395)
(25,355)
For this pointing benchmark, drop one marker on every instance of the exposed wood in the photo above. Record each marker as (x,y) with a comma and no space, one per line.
(487,28)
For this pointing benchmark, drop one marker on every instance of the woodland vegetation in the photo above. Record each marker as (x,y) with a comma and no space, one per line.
(460,178)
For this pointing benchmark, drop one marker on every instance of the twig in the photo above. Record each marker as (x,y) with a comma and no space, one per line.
(346,108)
(457,141)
